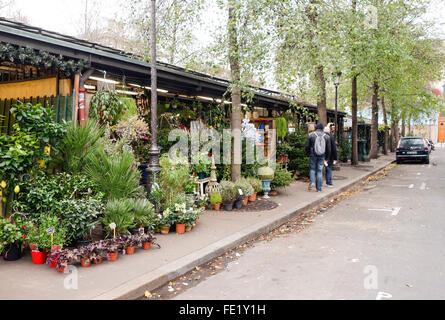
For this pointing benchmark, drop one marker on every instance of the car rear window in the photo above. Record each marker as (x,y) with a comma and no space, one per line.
(411,143)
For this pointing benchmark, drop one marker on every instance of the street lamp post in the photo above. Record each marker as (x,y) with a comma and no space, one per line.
(336,84)
(153,166)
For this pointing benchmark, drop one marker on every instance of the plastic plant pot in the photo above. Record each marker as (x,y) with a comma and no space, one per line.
(129,250)
(239,204)
(180,228)
(112,256)
(38,257)
(228,206)
(85,262)
(146,245)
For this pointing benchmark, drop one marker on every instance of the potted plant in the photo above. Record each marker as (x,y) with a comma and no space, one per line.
(201,164)
(112,247)
(190,189)
(11,238)
(118,213)
(66,257)
(97,253)
(147,239)
(130,243)
(257,187)
(165,221)
(216,200)
(282,152)
(201,200)
(228,194)
(84,254)
(43,236)
(246,189)
(282,178)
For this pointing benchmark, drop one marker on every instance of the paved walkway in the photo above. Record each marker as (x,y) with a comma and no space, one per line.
(215,233)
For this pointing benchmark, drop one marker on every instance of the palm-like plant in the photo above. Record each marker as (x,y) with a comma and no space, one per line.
(119,213)
(78,143)
(115,175)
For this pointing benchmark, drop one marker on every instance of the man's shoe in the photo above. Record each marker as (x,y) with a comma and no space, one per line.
(311,186)
(329,185)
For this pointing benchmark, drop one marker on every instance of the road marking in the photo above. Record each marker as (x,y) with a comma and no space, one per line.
(423,186)
(411,186)
(394,212)
(382,295)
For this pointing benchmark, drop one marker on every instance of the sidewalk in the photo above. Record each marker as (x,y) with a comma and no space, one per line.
(216,232)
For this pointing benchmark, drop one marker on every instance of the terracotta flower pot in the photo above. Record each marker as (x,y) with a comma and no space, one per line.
(112,256)
(129,250)
(97,260)
(146,245)
(252,198)
(165,230)
(180,228)
(85,262)
(245,201)
(217,206)
(38,257)
(61,269)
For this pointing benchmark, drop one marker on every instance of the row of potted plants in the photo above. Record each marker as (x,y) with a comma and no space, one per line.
(236,194)
(96,251)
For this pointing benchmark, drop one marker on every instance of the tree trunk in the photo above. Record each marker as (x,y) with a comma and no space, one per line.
(354,159)
(354,109)
(373,153)
(409,124)
(236,95)
(321,100)
(403,125)
(385,120)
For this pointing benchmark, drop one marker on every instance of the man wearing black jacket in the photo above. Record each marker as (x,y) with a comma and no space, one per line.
(317,161)
(332,160)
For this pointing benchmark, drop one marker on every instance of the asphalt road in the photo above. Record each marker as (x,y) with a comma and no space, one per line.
(384,243)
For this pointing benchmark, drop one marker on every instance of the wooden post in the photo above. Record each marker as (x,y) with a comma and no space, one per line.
(76,95)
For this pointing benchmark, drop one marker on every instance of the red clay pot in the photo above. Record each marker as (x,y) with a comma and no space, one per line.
(85,262)
(180,228)
(217,206)
(38,257)
(129,250)
(61,269)
(112,256)
(252,198)
(146,245)
(245,201)
(97,260)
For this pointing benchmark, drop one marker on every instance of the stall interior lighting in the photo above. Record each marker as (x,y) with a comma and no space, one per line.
(131,93)
(89,87)
(104,80)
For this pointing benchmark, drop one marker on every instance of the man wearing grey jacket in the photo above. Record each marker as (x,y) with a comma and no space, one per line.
(318,148)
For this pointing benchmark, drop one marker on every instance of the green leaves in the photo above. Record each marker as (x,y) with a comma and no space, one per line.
(106,106)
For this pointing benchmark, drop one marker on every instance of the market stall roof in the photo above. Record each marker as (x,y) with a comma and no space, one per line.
(119,64)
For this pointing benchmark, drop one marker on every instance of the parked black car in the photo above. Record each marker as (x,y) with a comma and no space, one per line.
(413,148)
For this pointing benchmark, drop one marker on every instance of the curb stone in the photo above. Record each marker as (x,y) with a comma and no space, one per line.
(135,288)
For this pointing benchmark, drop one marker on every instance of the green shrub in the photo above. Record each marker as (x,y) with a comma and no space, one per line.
(255,183)
(282,178)
(143,213)
(38,233)
(245,187)
(298,160)
(229,192)
(80,217)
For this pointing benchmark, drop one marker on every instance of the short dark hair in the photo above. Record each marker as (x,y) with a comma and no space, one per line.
(319,126)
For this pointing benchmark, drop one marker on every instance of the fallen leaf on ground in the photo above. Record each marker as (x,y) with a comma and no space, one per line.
(148,294)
